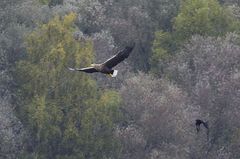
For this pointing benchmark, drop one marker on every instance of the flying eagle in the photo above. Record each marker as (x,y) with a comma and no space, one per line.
(199,122)
(106,67)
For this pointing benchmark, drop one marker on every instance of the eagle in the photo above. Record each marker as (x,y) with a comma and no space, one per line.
(106,67)
(199,122)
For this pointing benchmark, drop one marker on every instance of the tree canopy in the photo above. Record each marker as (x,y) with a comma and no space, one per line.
(66,113)
(185,66)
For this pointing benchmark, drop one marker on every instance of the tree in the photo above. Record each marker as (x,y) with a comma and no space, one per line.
(203,18)
(163,48)
(157,119)
(208,69)
(51,3)
(127,24)
(206,18)
(59,107)
(15,23)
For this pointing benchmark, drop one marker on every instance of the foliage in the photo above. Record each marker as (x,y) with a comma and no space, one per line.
(13,27)
(206,18)
(135,23)
(66,115)
(162,50)
(208,70)
(64,112)
(157,116)
(51,2)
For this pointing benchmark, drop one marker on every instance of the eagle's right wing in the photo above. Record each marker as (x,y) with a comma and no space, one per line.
(119,57)
(86,69)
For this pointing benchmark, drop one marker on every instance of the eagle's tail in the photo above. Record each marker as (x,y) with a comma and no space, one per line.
(114,73)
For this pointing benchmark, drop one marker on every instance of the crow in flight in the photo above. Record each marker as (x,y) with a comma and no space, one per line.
(106,67)
(199,122)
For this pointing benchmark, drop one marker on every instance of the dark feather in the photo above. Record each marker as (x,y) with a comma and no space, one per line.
(205,124)
(116,59)
(199,122)
(87,69)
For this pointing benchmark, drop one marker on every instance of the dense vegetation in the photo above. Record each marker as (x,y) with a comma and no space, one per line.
(185,66)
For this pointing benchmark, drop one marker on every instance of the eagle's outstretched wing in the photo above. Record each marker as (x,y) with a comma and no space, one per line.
(86,69)
(119,57)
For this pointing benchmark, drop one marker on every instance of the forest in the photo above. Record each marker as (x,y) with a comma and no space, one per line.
(185,66)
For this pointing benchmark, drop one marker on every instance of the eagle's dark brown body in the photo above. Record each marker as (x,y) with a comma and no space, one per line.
(102,68)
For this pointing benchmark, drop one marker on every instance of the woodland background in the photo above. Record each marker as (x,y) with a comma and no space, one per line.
(185,65)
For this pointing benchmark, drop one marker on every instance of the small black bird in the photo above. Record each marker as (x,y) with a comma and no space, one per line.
(106,67)
(199,122)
